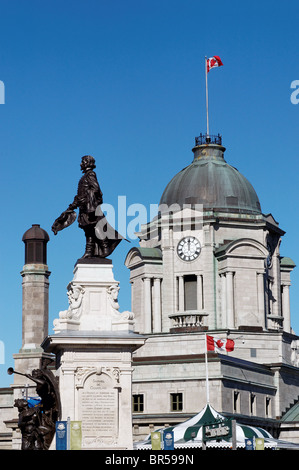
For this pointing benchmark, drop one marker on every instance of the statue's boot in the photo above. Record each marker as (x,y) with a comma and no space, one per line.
(105,249)
(89,249)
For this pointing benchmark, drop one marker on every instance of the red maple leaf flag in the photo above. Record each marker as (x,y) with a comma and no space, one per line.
(219,344)
(214,61)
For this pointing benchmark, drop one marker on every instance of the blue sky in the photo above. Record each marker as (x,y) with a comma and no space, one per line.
(124,81)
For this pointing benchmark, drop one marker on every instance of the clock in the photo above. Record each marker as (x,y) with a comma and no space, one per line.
(188,248)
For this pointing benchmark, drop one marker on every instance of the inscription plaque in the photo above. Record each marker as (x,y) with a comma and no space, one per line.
(99,411)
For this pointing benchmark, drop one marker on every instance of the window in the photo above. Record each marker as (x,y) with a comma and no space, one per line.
(176,402)
(252,403)
(252,352)
(138,403)
(268,407)
(236,400)
(190,294)
(270,296)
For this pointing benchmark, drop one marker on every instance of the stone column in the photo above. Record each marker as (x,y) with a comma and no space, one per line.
(147,305)
(35,311)
(261,298)
(286,307)
(230,299)
(223,300)
(168,285)
(270,295)
(176,293)
(67,390)
(200,303)
(35,274)
(35,305)
(181,294)
(157,306)
(276,284)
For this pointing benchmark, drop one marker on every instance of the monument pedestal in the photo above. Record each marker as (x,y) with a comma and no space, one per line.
(93,344)
(93,301)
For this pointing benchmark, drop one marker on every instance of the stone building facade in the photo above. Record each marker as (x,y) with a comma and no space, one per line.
(210,262)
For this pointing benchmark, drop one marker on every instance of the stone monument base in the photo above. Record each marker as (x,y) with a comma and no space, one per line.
(93,300)
(93,344)
(95,377)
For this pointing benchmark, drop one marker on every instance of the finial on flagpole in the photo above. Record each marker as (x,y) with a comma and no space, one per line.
(207,96)
(210,63)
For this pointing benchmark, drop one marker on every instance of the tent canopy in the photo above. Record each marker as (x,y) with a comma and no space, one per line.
(189,433)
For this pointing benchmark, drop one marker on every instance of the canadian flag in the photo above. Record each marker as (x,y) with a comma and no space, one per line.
(219,345)
(214,61)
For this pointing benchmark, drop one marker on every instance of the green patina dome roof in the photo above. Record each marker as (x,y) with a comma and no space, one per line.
(210,181)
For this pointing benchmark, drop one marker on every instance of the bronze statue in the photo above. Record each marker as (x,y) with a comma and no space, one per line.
(37,424)
(101,238)
(29,422)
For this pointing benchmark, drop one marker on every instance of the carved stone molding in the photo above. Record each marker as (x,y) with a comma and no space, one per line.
(82,374)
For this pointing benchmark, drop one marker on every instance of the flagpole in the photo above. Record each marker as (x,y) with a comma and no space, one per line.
(207,97)
(207,372)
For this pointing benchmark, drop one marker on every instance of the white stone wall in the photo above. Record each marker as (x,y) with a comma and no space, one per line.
(238,288)
(175,363)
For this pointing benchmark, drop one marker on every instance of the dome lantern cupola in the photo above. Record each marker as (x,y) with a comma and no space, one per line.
(209,180)
(35,240)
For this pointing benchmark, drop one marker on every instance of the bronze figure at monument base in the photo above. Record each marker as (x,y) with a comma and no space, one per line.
(37,423)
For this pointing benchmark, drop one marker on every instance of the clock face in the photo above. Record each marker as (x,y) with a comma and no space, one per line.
(188,248)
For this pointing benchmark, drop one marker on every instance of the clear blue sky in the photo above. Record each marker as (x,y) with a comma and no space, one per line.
(123,80)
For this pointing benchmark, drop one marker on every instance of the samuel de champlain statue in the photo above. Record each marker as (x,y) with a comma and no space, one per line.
(92,331)
(101,238)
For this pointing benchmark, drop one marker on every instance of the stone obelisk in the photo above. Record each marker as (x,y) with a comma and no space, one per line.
(35,308)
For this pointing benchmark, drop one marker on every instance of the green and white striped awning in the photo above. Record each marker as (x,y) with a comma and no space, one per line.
(189,433)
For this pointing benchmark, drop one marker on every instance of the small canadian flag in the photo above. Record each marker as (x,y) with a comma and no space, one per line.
(214,61)
(219,344)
